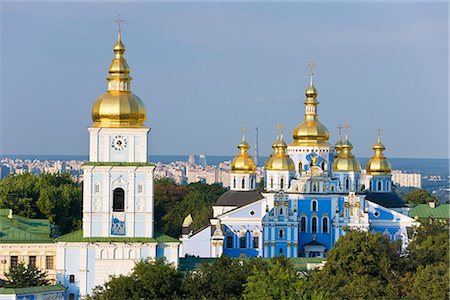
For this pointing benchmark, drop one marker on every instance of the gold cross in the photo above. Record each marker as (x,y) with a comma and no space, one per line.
(119,20)
(340,129)
(311,66)
(379,131)
(243,133)
(346,126)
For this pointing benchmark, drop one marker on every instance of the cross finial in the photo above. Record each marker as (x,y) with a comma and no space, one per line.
(280,130)
(379,134)
(346,126)
(118,21)
(339,127)
(311,66)
(244,130)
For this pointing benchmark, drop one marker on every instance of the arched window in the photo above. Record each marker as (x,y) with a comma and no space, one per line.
(314,225)
(379,185)
(323,165)
(332,188)
(303,224)
(356,184)
(347,183)
(252,183)
(243,183)
(282,183)
(234,183)
(280,233)
(300,167)
(370,185)
(119,200)
(325,225)
(271,182)
(314,205)
(281,210)
(242,242)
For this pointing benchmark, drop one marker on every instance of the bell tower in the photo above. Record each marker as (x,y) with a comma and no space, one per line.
(118,180)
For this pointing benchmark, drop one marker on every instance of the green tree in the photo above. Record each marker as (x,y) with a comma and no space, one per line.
(361,265)
(148,280)
(419,196)
(431,282)
(222,279)
(22,276)
(278,281)
(52,196)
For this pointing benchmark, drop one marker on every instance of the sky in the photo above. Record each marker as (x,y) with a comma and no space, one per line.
(206,69)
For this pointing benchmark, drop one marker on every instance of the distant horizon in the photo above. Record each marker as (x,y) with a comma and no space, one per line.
(214,155)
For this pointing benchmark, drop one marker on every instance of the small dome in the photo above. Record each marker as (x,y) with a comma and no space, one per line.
(243,162)
(280,160)
(378,164)
(346,162)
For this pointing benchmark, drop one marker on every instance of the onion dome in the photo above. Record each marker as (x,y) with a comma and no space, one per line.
(311,132)
(243,162)
(338,145)
(346,161)
(279,160)
(378,164)
(118,107)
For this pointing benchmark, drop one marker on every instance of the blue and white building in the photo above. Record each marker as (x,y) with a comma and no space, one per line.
(313,192)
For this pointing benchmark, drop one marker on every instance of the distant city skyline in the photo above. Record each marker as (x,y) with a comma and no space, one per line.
(205,70)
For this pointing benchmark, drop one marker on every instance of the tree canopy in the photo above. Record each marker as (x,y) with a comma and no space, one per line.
(52,196)
(21,276)
(419,196)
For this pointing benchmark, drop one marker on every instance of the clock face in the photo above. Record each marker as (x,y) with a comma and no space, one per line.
(119,143)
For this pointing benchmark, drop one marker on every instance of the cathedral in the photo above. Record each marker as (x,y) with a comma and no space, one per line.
(313,193)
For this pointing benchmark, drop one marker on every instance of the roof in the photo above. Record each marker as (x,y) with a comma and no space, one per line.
(194,263)
(423,211)
(19,229)
(389,200)
(314,243)
(32,290)
(77,236)
(238,198)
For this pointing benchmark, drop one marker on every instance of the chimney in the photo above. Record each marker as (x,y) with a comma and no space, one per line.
(432,204)
(10,214)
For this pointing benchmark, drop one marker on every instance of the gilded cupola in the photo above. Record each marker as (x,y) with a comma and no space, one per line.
(338,145)
(346,161)
(311,132)
(243,162)
(279,160)
(378,164)
(118,107)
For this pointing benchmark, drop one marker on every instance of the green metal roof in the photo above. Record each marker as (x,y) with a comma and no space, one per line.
(32,290)
(424,211)
(77,236)
(23,230)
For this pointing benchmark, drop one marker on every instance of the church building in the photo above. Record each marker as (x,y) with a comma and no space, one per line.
(313,193)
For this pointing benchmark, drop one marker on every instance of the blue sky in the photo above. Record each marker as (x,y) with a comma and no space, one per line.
(204,70)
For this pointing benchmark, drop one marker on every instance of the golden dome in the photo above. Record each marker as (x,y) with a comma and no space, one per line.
(378,164)
(118,107)
(243,162)
(346,161)
(279,160)
(310,131)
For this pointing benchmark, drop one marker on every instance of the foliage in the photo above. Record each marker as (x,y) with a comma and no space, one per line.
(361,265)
(431,282)
(22,276)
(148,280)
(222,279)
(430,245)
(174,202)
(419,196)
(52,196)
(278,281)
